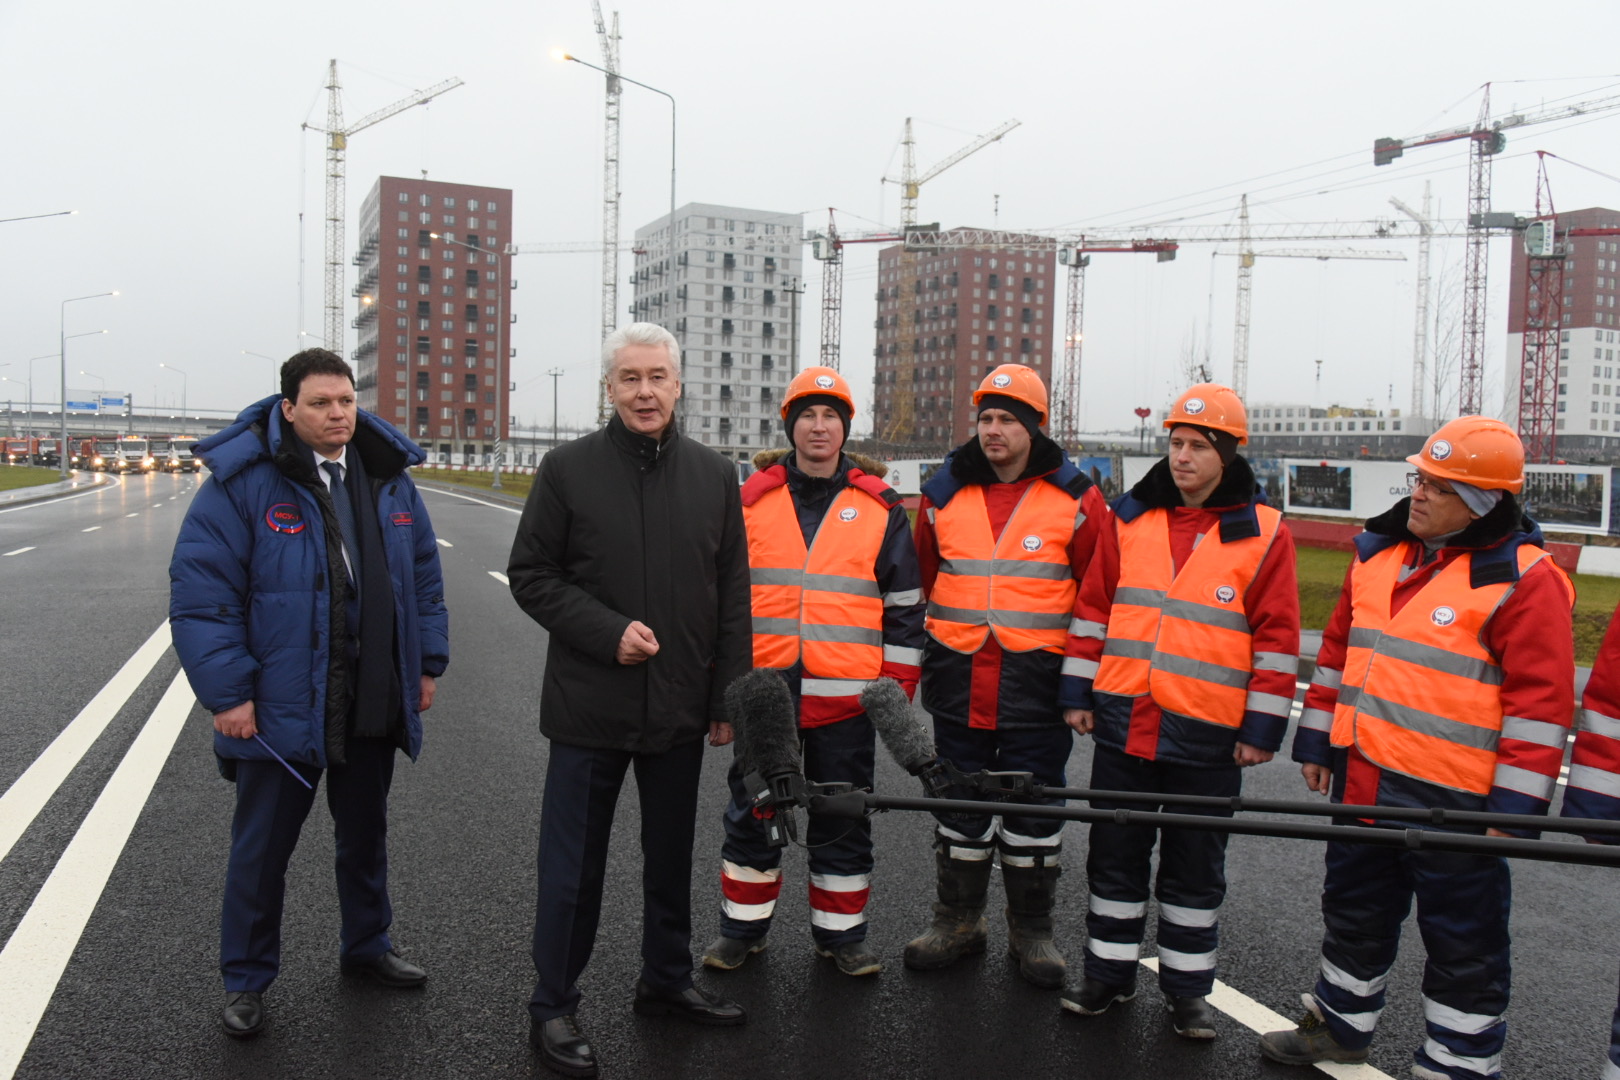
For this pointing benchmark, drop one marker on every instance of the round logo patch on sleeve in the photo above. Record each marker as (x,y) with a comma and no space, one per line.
(285,518)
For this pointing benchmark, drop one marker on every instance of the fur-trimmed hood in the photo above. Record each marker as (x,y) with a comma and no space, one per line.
(870,466)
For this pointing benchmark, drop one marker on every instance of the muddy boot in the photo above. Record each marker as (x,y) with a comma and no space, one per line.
(1031,895)
(959,928)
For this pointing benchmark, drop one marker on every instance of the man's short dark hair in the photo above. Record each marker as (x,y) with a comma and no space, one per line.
(301,366)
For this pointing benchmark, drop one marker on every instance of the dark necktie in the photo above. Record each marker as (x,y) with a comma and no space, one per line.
(345,516)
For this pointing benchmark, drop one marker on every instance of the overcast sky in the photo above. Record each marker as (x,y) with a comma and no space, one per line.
(172,127)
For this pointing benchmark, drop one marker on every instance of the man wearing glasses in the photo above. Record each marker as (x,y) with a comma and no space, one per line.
(1443,681)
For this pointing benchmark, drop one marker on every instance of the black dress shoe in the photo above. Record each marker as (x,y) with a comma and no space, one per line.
(692,1004)
(244,1013)
(562,1046)
(388,969)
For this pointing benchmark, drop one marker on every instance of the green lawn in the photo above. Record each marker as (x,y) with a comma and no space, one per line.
(1321,574)
(13,477)
(512,484)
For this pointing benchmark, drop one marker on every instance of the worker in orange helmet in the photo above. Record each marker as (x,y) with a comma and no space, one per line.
(836,605)
(1005,530)
(1181,667)
(1444,681)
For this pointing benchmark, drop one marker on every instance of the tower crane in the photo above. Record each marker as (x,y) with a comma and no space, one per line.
(1486,138)
(1546,253)
(900,423)
(337,145)
(1420,331)
(1245,288)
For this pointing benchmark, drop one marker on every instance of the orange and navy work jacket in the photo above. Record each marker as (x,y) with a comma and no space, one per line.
(820,610)
(1444,680)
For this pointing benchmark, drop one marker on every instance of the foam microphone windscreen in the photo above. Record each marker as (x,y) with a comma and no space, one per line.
(761,710)
(890,712)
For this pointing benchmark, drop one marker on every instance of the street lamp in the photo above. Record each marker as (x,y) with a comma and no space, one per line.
(275,369)
(502,352)
(185,383)
(560,55)
(62,332)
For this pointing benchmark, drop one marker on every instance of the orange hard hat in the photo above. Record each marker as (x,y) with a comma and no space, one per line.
(1017,382)
(1474,450)
(1211,405)
(818,380)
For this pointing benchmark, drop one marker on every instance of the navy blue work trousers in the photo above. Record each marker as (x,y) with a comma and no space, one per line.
(271,806)
(1043,751)
(576,818)
(1191,883)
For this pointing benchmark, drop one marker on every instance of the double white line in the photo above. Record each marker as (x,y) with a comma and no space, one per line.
(38,951)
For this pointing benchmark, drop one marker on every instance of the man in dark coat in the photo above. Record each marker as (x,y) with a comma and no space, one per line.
(631,554)
(308,611)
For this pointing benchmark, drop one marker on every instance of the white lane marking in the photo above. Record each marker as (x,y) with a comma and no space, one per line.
(1259,1019)
(65,498)
(443,542)
(469,498)
(157,506)
(92,528)
(18,551)
(39,950)
(500,577)
(29,793)
(135,514)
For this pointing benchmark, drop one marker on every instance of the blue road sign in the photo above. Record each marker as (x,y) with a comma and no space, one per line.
(113,401)
(83,406)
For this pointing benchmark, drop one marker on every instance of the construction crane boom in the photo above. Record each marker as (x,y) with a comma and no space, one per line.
(1420,330)
(337,146)
(1487,139)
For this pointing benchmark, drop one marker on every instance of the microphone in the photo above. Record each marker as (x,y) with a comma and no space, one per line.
(761,711)
(889,709)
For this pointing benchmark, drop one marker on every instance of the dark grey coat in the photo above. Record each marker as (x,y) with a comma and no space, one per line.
(620,528)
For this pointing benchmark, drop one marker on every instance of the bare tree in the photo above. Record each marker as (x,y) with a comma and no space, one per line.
(1194,358)
(1445,364)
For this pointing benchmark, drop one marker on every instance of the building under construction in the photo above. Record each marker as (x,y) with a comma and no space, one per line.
(946,319)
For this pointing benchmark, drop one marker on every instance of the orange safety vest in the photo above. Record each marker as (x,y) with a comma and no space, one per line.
(1421,693)
(1184,638)
(1020,585)
(822,604)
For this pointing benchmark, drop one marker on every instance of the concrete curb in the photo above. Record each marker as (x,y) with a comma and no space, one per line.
(46,492)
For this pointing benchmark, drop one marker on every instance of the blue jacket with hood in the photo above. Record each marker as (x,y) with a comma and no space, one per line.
(250,586)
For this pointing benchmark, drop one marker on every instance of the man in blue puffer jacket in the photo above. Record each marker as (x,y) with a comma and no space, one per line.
(307,608)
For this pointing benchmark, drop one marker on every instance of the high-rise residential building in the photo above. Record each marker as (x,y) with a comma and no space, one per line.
(435,312)
(958,313)
(730,296)
(1588,402)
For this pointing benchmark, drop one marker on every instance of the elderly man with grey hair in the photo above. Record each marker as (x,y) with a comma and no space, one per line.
(631,554)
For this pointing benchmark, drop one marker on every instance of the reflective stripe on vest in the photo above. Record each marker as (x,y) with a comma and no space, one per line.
(1021,586)
(821,605)
(1184,638)
(1420,695)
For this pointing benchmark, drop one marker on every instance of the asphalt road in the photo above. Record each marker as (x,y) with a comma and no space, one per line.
(109,898)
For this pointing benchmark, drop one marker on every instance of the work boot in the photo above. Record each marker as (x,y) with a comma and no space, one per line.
(728,953)
(1031,895)
(1093,996)
(1308,1043)
(852,958)
(959,928)
(1192,1017)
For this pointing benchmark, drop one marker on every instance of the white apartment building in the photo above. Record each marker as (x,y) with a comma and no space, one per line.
(730,295)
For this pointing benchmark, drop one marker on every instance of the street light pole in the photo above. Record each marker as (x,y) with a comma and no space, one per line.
(62,334)
(185,383)
(275,372)
(625,78)
(555,373)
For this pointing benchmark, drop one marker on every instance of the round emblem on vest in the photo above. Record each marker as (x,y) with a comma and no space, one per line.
(848,513)
(1193,407)
(1033,543)
(824,382)
(1226,594)
(1440,450)
(1442,616)
(1001,382)
(284,518)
